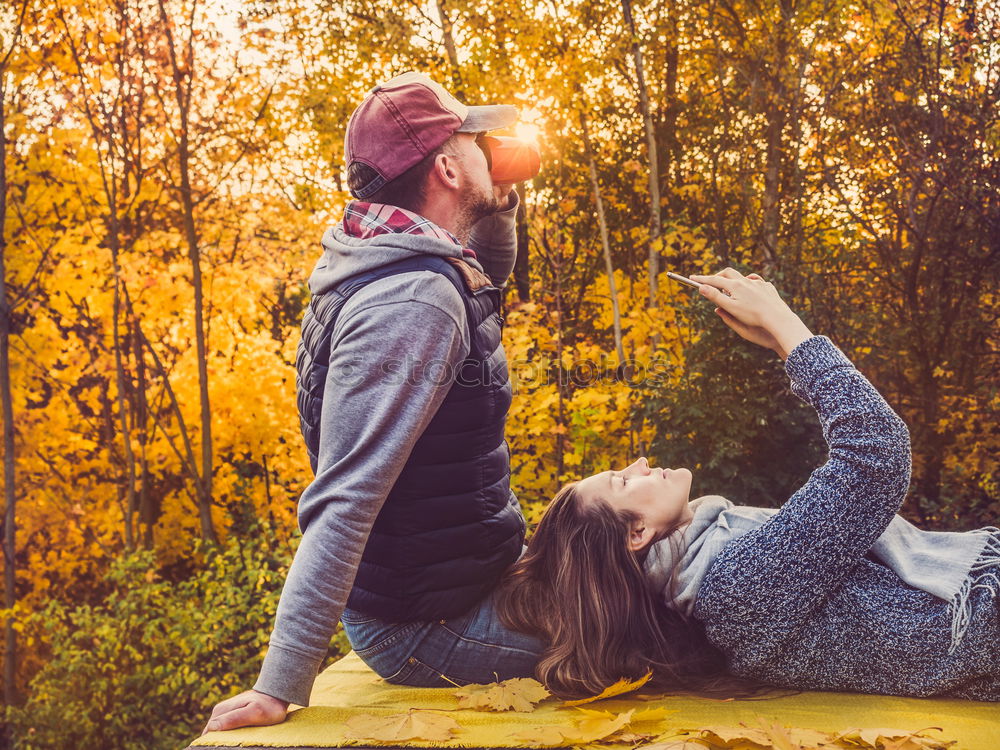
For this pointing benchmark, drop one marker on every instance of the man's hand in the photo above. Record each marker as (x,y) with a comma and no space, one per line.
(505,196)
(248,709)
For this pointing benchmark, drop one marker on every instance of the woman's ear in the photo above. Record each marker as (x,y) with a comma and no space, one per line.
(639,536)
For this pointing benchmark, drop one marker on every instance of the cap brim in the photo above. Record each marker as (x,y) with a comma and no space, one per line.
(490,117)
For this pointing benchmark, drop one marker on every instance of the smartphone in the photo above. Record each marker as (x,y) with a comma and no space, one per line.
(683,279)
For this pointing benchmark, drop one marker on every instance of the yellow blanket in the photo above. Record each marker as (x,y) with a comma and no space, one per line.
(351,706)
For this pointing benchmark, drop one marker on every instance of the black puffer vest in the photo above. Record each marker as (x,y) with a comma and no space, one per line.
(450,526)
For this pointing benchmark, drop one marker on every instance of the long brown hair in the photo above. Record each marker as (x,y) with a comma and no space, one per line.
(581,589)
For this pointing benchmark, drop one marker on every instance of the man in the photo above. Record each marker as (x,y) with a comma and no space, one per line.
(403,393)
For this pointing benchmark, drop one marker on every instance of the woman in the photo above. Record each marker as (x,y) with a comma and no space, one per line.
(834,591)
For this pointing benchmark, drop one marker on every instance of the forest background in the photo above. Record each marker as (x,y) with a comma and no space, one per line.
(168,167)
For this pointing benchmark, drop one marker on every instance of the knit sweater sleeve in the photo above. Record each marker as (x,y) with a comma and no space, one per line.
(768,582)
(494,239)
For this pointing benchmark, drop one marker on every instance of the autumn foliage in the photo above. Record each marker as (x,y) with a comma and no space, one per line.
(170,165)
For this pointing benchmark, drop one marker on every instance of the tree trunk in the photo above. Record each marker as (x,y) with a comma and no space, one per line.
(10,496)
(775,112)
(129,506)
(104,125)
(556,265)
(147,512)
(190,233)
(655,229)
(522,266)
(187,459)
(10,693)
(770,201)
(182,95)
(673,167)
(563,377)
(458,85)
(605,245)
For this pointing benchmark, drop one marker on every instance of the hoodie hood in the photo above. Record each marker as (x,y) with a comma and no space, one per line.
(345,256)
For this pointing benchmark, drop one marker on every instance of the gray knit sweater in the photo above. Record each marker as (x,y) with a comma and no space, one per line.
(797,602)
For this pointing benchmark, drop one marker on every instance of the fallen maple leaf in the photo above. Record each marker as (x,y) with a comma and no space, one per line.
(916,742)
(893,739)
(413,725)
(547,736)
(619,688)
(737,738)
(691,743)
(651,714)
(632,738)
(793,738)
(593,727)
(518,694)
(599,725)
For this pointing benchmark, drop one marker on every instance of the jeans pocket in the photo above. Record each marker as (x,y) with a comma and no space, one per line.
(415,673)
(350,617)
(374,637)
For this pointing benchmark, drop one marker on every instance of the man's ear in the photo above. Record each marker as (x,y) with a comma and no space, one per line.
(639,536)
(446,170)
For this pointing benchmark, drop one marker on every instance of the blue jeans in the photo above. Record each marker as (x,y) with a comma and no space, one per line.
(473,647)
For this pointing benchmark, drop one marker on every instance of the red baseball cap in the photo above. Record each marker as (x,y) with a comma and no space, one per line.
(406,118)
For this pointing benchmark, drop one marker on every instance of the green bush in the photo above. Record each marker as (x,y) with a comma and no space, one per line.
(144,667)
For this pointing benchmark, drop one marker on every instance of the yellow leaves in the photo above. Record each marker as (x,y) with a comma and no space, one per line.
(518,694)
(413,725)
(14,616)
(893,739)
(645,715)
(588,726)
(764,738)
(588,729)
(690,190)
(544,736)
(774,736)
(619,688)
(591,397)
(604,726)
(598,726)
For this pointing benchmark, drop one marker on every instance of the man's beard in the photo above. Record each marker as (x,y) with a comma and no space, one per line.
(475,205)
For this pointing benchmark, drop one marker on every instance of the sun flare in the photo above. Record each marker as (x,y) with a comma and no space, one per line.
(527,131)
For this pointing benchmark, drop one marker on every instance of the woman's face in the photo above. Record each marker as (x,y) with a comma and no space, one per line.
(659,497)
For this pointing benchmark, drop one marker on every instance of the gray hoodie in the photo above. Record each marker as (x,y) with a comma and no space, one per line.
(370,422)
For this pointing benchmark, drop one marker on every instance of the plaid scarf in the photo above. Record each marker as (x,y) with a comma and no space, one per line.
(363,220)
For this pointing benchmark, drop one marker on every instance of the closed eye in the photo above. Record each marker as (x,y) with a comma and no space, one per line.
(612,476)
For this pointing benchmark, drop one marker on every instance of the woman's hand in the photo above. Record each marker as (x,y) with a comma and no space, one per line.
(248,709)
(751,307)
